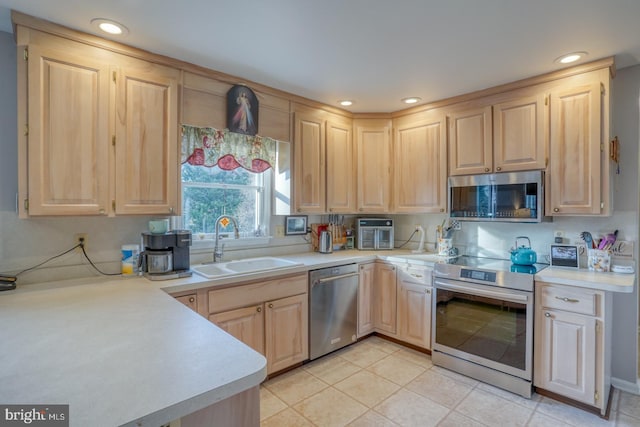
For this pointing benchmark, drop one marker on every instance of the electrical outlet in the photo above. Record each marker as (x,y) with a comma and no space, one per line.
(279,230)
(81,238)
(416,227)
(558,233)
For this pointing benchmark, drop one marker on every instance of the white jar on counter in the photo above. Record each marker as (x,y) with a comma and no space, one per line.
(130,254)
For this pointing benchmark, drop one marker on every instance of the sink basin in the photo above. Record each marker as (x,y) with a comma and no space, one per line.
(243,266)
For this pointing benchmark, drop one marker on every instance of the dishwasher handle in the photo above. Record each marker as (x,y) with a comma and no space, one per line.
(332,278)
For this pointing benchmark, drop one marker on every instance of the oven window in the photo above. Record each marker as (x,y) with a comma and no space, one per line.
(489,328)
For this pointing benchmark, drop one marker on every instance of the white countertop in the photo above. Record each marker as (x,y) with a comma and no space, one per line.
(118,352)
(122,352)
(612,282)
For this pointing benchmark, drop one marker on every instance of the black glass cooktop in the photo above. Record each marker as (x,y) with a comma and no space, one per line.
(495,264)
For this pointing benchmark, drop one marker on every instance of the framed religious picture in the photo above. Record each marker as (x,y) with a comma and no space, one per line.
(242,110)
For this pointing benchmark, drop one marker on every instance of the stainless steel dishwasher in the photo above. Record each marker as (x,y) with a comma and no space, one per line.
(333,308)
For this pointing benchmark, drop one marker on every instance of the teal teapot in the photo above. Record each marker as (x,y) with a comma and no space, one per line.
(523,255)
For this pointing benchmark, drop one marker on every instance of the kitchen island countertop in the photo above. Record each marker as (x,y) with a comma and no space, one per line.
(612,282)
(118,352)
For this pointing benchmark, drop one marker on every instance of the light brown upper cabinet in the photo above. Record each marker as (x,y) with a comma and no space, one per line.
(419,163)
(100,130)
(373,158)
(503,133)
(578,175)
(324,163)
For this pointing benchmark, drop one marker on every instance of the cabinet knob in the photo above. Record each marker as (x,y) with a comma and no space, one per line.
(428,291)
(547,314)
(330,209)
(101,211)
(270,305)
(556,210)
(170,209)
(361,209)
(441,209)
(299,210)
(192,299)
(487,169)
(258,309)
(498,168)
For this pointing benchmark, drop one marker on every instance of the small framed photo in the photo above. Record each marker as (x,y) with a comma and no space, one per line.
(295,225)
(565,256)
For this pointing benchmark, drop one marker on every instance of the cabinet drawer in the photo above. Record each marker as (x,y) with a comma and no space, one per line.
(256,293)
(576,300)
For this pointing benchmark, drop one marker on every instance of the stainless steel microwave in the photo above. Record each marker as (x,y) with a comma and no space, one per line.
(508,197)
(375,233)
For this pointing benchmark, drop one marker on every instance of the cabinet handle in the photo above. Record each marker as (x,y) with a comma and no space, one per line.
(258,309)
(498,168)
(270,305)
(565,299)
(416,275)
(486,169)
(556,210)
(101,211)
(361,209)
(547,314)
(192,299)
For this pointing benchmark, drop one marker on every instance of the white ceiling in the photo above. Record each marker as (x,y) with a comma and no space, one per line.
(372,51)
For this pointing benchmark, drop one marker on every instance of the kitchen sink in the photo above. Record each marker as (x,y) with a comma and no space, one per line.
(243,266)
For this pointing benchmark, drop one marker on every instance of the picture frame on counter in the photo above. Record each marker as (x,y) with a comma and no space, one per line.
(564,256)
(295,225)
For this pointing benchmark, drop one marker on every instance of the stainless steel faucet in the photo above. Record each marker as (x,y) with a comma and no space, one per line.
(217,253)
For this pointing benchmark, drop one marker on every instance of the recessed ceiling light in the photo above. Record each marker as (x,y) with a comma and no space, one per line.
(346,103)
(411,100)
(109,26)
(571,57)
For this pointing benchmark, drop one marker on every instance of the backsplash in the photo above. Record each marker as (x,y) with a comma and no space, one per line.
(496,239)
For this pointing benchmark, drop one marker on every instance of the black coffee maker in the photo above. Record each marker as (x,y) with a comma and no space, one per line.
(166,255)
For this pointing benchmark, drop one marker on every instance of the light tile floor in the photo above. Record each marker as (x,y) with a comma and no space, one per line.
(377,383)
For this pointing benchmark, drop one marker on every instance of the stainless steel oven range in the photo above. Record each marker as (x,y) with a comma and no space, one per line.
(482,321)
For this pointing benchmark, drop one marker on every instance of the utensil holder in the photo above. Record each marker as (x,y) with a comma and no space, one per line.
(444,246)
(598,260)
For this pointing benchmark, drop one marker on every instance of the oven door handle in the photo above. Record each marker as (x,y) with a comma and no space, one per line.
(481,292)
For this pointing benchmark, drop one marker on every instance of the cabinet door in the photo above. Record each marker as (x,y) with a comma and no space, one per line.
(414,313)
(384,298)
(470,141)
(520,134)
(365,299)
(286,332)
(340,167)
(147,144)
(190,301)
(309,167)
(68,150)
(373,153)
(566,354)
(246,324)
(574,178)
(419,167)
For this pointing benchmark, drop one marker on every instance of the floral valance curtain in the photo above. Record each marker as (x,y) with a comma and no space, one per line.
(205,146)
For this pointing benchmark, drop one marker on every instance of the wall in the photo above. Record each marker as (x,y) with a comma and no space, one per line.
(495,239)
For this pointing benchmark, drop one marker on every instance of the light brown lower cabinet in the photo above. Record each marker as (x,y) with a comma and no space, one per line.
(190,301)
(414,310)
(365,298)
(573,343)
(385,299)
(272,317)
(246,324)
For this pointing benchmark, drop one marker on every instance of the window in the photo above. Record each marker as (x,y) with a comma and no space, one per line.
(208,192)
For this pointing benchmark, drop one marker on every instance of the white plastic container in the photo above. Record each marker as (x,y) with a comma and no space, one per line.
(130,254)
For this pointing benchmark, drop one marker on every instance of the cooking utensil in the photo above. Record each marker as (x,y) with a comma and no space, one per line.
(588,239)
(608,241)
(523,255)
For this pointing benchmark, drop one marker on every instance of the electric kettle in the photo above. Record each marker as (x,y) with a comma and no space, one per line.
(325,242)
(523,255)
